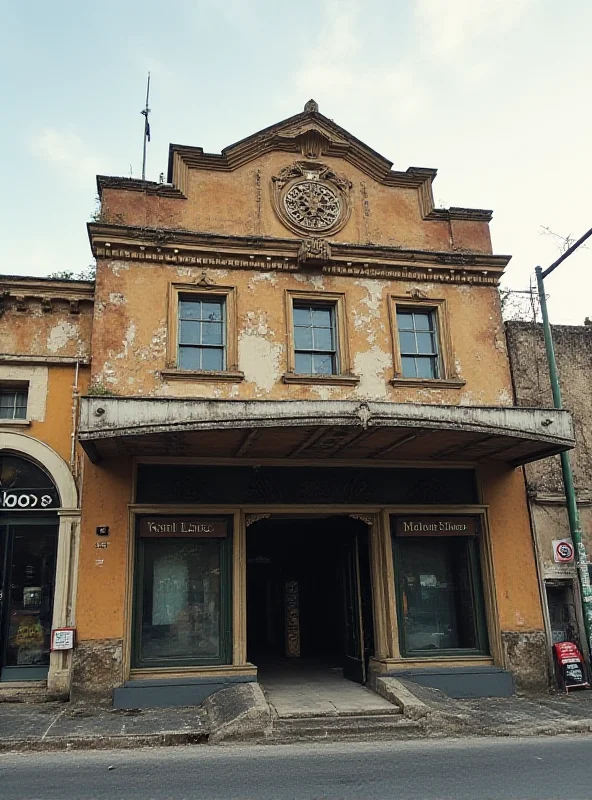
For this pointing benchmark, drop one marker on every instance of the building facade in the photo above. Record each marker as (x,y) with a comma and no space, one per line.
(300,436)
(559,583)
(45,330)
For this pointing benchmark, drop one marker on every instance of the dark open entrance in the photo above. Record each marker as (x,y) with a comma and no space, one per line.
(308,594)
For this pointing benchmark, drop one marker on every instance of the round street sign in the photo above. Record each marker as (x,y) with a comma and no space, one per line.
(563,551)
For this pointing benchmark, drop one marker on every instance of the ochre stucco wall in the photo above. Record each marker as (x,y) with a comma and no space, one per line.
(517,589)
(103,572)
(130,335)
(239,203)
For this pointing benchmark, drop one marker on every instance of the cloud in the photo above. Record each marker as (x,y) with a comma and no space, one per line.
(447,26)
(68,152)
(338,67)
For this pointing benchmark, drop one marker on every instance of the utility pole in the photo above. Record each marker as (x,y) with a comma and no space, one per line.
(575,526)
(145,111)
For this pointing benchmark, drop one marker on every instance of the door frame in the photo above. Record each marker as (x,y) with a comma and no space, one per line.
(11,521)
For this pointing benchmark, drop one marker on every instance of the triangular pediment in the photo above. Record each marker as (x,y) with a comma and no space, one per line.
(309,134)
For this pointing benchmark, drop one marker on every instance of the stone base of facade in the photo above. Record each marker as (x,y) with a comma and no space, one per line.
(526,656)
(97,669)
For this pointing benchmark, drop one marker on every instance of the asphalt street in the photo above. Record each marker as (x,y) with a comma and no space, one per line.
(554,767)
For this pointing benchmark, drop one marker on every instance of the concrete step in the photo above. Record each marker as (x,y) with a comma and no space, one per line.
(342,727)
(387,711)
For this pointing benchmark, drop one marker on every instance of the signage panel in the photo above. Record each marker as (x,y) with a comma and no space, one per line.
(563,551)
(159,527)
(28,499)
(436,525)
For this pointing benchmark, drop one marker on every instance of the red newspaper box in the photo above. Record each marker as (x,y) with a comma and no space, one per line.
(570,666)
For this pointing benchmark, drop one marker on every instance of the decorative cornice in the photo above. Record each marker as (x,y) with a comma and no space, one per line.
(187,248)
(19,291)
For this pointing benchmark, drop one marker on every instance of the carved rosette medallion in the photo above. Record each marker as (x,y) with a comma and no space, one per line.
(311,199)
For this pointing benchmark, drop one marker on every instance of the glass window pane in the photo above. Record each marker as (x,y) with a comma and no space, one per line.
(407,341)
(212,358)
(439,604)
(189,358)
(7,400)
(423,321)
(323,339)
(20,412)
(303,338)
(303,363)
(322,317)
(180,612)
(212,311)
(426,367)
(404,320)
(190,309)
(211,333)
(426,343)
(322,364)
(302,316)
(408,367)
(6,413)
(30,596)
(189,332)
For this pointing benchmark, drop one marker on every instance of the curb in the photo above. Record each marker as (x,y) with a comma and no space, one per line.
(66,743)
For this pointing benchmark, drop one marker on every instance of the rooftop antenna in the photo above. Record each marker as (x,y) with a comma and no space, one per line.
(145,111)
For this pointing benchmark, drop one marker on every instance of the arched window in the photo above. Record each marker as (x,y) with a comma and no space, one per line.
(24,486)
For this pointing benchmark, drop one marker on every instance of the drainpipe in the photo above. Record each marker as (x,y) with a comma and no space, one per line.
(74,419)
(575,526)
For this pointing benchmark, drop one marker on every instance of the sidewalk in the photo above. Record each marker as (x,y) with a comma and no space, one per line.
(541,715)
(65,726)
(69,726)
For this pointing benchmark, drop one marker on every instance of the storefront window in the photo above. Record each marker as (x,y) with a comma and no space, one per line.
(26,595)
(439,593)
(182,596)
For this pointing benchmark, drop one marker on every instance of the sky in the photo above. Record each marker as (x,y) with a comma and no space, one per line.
(493,93)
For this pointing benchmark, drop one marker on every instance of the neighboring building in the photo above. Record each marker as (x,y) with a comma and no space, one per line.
(45,328)
(573,350)
(300,430)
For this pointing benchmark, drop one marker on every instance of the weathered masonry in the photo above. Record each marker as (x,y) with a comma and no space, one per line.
(44,357)
(559,584)
(301,443)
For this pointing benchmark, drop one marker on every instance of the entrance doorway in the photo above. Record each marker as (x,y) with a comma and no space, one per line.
(28,550)
(309,601)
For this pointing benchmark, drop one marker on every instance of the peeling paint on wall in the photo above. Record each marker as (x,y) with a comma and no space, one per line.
(316,281)
(260,360)
(60,335)
(371,366)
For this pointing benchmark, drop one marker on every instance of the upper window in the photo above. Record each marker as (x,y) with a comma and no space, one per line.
(13,403)
(202,333)
(418,343)
(315,339)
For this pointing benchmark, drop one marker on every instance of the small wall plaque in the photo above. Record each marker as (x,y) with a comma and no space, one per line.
(62,638)
(103,530)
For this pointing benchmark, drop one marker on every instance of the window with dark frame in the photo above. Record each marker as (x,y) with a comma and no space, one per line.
(13,403)
(202,333)
(315,339)
(418,343)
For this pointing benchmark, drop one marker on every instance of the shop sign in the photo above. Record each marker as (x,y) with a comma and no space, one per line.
(436,526)
(182,527)
(27,499)
(563,551)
